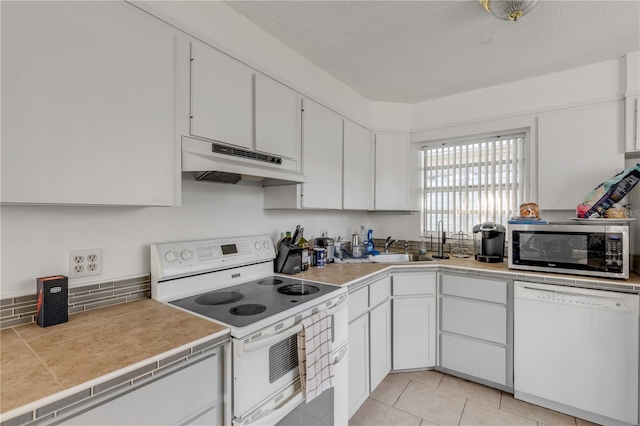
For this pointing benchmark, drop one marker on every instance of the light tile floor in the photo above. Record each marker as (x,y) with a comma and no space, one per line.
(432,398)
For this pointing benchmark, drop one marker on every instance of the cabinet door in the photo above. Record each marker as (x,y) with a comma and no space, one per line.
(221,97)
(358,182)
(414,333)
(380,343)
(88,105)
(176,398)
(277,118)
(391,171)
(358,363)
(475,358)
(322,157)
(577,150)
(480,320)
(414,283)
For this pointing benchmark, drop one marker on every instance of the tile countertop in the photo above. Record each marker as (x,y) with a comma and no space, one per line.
(40,362)
(350,273)
(38,365)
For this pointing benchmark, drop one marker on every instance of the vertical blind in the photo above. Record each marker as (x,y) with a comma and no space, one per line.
(470,182)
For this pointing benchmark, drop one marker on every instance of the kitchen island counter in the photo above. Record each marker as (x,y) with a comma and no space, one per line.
(94,351)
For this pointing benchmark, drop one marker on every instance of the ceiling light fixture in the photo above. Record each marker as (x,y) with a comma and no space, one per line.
(508,10)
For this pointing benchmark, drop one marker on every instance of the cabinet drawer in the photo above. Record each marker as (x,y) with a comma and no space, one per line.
(474,319)
(358,303)
(481,360)
(404,285)
(171,399)
(379,291)
(475,288)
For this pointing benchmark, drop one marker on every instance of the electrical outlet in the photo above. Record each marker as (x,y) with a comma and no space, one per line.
(83,263)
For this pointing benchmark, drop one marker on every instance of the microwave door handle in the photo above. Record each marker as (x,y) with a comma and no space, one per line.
(278,413)
(269,340)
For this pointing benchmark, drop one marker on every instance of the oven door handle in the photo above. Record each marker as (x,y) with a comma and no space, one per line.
(276,414)
(269,340)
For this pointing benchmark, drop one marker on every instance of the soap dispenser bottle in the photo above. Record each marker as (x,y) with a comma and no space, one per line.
(369,247)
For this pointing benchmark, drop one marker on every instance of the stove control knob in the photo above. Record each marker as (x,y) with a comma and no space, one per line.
(267,244)
(186,254)
(257,245)
(171,256)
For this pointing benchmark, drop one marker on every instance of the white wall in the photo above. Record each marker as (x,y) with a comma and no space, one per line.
(601,81)
(36,239)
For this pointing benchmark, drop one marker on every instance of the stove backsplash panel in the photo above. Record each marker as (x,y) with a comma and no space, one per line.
(22,310)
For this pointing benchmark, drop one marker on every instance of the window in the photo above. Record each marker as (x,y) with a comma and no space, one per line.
(474,181)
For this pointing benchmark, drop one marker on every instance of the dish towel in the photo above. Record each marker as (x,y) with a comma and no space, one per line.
(314,355)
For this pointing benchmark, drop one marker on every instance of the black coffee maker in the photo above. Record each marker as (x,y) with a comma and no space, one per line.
(488,242)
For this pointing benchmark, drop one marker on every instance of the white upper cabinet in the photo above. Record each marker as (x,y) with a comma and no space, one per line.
(321,157)
(577,150)
(221,97)
(392,166)
(277,118)
(88,97)
(632,123)
(358,182)
(321,164)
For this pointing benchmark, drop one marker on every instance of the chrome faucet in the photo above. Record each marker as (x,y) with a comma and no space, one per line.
(388,243)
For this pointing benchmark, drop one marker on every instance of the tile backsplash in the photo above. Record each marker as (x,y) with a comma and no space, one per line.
(22,310)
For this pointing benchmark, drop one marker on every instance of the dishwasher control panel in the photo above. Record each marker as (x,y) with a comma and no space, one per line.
(578,297)
(580,300)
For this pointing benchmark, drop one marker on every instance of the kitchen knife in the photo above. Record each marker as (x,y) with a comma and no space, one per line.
(295,234)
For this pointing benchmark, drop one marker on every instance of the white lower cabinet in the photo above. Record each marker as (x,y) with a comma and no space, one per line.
(475,330)
(369,340)
(414,320)
(379,343)
(358,363)
(187,394)
(475,358)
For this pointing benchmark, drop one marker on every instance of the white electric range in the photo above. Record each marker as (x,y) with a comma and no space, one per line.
(231,281)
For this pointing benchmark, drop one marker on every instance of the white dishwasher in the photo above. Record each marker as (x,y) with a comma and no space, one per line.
(576,351)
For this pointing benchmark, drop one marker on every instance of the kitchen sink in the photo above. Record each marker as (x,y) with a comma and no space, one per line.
(401,257)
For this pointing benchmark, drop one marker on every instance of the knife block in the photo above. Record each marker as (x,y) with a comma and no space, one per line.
(289,259)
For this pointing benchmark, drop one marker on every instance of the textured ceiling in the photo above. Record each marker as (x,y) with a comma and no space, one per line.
(413,51)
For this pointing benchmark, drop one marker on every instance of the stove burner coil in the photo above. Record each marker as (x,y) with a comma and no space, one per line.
(248,309)
(219,298)
(270,281)
(298,289)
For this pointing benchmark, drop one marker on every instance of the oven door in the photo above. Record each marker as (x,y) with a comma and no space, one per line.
(267,364)
(288,407)
(580,251)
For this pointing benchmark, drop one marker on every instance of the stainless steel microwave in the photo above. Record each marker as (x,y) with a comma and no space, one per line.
(594,249)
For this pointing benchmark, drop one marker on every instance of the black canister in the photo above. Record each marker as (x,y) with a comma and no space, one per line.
(488,242)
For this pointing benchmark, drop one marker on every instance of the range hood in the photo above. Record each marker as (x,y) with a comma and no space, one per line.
(221,163)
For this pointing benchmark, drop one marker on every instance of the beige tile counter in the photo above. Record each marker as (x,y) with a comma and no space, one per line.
(39,362)
(346,273)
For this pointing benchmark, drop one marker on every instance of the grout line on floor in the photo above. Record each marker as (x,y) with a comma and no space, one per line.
(403,389)
(463,408)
